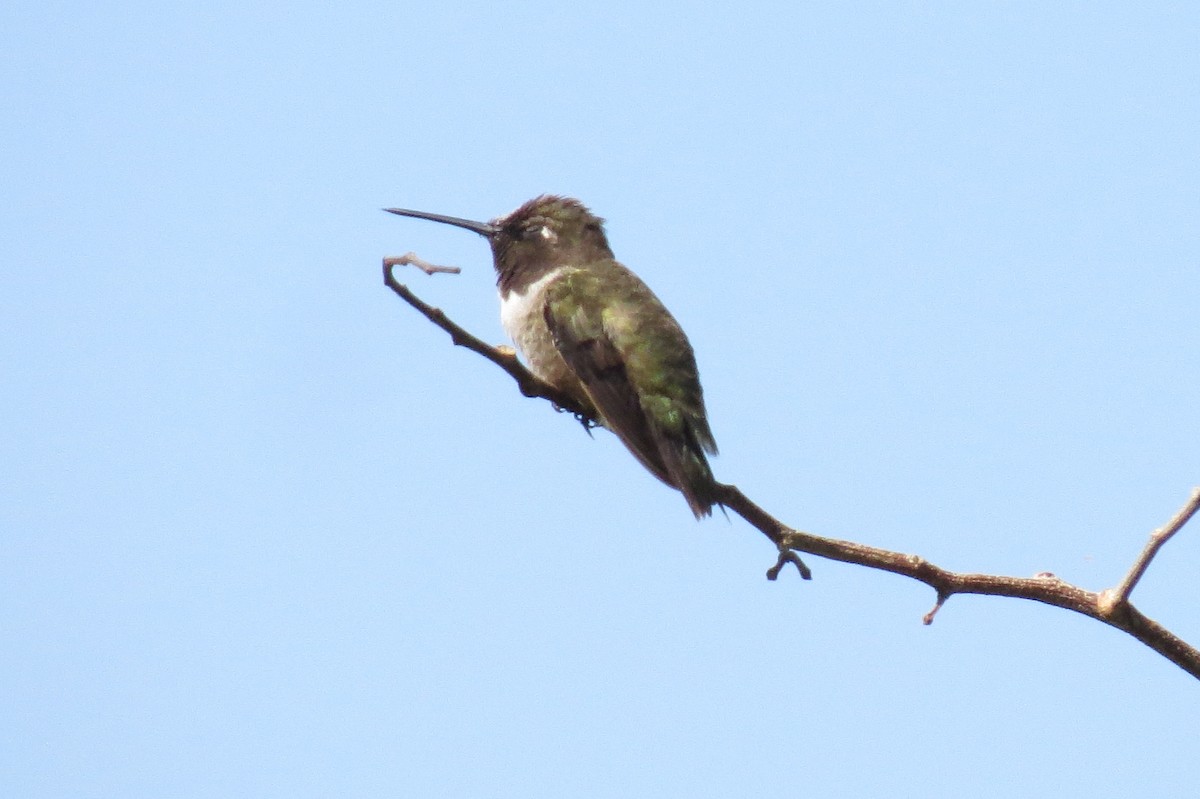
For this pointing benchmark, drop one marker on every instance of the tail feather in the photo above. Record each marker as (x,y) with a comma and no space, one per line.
(687,470)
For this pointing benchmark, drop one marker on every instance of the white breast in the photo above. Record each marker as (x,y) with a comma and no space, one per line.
(521,312)
(522,315)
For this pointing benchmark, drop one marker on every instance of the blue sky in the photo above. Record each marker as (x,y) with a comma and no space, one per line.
(264,532)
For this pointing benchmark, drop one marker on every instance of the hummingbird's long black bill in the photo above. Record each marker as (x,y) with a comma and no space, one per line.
(482,228)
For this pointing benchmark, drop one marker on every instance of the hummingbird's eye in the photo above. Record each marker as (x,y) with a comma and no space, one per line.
(539,231)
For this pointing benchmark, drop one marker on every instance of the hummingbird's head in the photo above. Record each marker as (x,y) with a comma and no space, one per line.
(548,231)
(544,233)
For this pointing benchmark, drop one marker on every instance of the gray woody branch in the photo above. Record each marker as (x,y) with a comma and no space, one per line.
(1111,606)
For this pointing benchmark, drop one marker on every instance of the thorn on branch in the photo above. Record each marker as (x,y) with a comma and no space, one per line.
(787,556)
(942,596)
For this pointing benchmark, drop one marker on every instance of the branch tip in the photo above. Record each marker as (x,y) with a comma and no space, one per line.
(412,259)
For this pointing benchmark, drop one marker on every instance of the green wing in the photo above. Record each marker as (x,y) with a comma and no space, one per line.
(637,367)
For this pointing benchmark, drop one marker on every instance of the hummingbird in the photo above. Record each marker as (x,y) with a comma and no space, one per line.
(591,328)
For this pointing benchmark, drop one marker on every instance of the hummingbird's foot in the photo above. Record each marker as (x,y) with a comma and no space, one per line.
(588,422)
(787,556)
(412,259)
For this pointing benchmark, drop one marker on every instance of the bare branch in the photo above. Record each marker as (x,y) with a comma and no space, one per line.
(1111,607)
(504,357)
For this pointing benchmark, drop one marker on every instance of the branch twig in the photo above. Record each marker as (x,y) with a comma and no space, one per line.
(1111,607)
(503,357)
(1112,599)
(412,259)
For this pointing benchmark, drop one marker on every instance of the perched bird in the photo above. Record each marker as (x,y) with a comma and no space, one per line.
(592,329)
